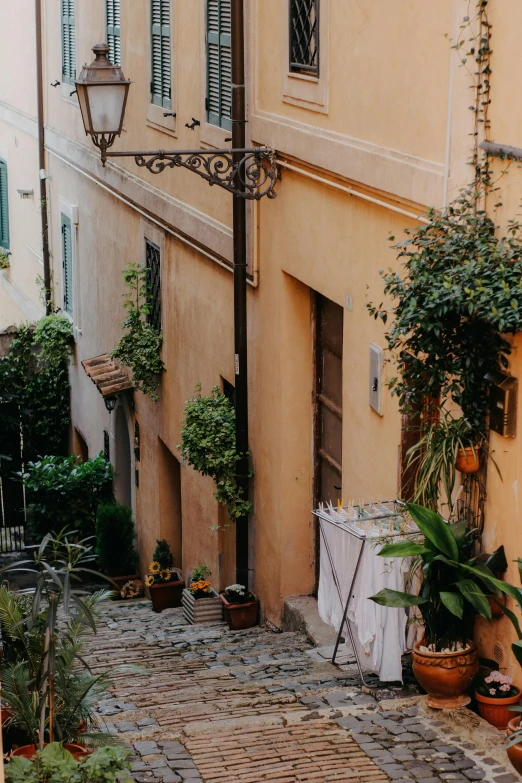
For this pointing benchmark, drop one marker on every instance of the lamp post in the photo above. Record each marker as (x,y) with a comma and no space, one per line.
(246,173)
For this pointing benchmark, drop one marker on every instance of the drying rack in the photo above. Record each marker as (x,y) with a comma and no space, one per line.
(386,514)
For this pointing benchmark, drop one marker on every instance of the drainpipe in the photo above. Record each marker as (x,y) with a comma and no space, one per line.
(240,285)
(41,158)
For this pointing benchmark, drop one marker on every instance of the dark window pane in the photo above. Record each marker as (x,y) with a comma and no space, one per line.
(154,284)
(304,36)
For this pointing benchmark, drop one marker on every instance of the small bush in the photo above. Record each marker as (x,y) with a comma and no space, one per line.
(115,546)
(63,492)
(163,555)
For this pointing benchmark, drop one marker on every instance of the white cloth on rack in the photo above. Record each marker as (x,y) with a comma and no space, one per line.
(380,631)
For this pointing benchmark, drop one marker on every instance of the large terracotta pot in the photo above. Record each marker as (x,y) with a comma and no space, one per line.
(166,595)
(445,676)
(495,711)
(496,610)
(467,461)
(240,616)
(29,751)
(515,751)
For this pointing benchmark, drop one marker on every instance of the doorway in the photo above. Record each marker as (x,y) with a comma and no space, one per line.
(328,407)
(123,466)
(169,475)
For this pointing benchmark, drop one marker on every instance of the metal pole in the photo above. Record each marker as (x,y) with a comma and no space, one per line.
(41,159)
(240,285)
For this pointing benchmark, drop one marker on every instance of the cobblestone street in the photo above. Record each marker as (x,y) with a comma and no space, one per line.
(224,707)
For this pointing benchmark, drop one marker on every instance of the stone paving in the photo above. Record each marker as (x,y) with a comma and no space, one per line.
(218,706)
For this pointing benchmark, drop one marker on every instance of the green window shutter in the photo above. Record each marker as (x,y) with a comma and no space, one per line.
(219,63)
(113,31)
(4,207)
(68,42)
(67,265)
(160,83)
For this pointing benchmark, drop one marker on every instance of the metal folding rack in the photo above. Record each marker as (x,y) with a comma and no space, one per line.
(384,514)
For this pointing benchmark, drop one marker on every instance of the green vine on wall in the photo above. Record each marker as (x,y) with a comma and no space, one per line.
(208,442)
(140,347)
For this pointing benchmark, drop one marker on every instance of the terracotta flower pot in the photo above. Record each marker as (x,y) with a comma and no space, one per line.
(515,751)
(240,616)
(166,595)
(467,461)
(445,676)
(29,751)
(122,580)
(495,711)
(496,610)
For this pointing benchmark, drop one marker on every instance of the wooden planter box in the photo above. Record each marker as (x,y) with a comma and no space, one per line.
(167,595)
(201,610)
(240,616)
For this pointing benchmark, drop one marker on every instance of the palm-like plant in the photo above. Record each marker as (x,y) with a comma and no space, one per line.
(454,587)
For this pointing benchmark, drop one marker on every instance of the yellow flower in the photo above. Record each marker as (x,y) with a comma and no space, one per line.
(149,581)
(154,567)
(165,574)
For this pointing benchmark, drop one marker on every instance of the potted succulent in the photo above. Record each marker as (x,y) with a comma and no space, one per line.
(55,762)
(494,695)
(240,607)
(454,589)
(115,543)
(201,603)
(165,583)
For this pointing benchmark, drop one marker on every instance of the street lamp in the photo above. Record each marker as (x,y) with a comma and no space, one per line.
(102,94)
(248,173)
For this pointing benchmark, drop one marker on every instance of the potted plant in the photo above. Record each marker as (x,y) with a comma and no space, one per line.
(454,588)
(165,583)
(55,762)
(494,695)
(240,607)
(201,603)
(115,543)
(132,589)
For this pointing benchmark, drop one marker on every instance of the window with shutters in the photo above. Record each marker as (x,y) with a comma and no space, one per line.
(68,42)
(4,207)
(67,264)
(113,31)
(160,83)
(219,63)
(153,262)
(304,36)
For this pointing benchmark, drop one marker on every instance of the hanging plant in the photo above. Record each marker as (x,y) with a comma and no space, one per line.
(208,442)
(140,347)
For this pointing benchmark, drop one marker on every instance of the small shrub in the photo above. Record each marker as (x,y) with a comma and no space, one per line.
(163,555)
(63,492)
(115,547)
(54,763)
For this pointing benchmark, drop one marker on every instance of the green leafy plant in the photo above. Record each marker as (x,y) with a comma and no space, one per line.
(200,573)
(63,490)
(140,347)
(208,442)
(4,258)
(455,586)
(54,764)
(54,335)
(115,539)
(163,554)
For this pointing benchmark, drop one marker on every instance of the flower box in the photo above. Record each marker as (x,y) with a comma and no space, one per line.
(240,616)
(201,610)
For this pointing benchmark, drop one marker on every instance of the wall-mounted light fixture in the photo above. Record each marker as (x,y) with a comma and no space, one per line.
(110,403)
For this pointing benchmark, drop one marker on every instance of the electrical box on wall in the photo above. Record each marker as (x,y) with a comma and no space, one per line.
(503,403)
(376,365)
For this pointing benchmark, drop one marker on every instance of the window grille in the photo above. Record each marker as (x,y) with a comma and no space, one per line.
(4,207)
(67,266)
(219,63)
(304,36)
(68,42)
(113,31)
(152,258)
(106,446)
(160,83)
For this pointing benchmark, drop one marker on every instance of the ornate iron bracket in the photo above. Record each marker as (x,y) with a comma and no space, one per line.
(255,170)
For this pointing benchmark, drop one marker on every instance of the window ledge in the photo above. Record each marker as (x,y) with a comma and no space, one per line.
(155,119)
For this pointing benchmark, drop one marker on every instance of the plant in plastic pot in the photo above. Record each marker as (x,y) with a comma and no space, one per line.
(494,695)
(240,607)
(454,589)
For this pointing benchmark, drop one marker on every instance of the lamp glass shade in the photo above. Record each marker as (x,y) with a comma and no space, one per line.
(102,105)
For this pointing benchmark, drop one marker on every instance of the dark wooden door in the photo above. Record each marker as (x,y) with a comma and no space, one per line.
(329,400)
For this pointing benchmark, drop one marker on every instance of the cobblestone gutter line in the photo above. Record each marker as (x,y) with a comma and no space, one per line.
(220,707)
